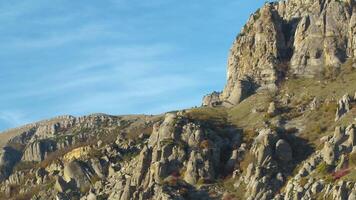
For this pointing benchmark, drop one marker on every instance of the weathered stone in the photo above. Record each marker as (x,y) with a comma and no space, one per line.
(212,99)
(272,110)
(8,158)
(230,165)
(328,153)
(127,191)
(316,188)
(75,171)
(61,185)
(37,151)
(305,37)
(344,106)
(98,168)
(352,195)
(142,166)
(351,133)
(91,196)
(315,104)
(283,150)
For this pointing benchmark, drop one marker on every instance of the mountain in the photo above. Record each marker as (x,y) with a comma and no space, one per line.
(282,128)
(291,38)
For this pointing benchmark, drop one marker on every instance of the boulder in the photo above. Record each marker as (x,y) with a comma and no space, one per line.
(75,170)
(283,150)
(351,133)
(8,158)
(212,99)
(328,153)
(352,195)
(230,165)
(314,104)
(91,195)
(344,106)
(99,167)
(272,110)
(61,185)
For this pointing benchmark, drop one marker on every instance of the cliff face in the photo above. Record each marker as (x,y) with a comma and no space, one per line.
(296,37)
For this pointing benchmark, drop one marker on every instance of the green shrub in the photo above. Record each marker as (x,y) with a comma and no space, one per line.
(201,181)
(324,169)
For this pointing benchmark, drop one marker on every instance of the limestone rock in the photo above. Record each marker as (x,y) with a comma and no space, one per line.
(8,158)
(289,37)
(351,133)
(283,150)
(75,171)
(352,196)
(212,99)
(37,151)
(272,110)
(91,196)
(61,185)
(328,153)
(343,106)
(315,104)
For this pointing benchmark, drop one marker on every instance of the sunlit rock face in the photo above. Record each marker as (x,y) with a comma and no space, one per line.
(296,37)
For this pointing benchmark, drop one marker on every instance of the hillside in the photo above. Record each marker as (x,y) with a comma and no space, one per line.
(284,126)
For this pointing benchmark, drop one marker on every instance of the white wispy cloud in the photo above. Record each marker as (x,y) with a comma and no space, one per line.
(108,65)
(118,57)
(53,39)
(14,118)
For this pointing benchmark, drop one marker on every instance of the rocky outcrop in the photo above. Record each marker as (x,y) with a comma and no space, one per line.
(341,143)
(344,106)
(305,186)
(77,172)
(8,158)
(212,99)
(272,110)
(177,152)
(283,150)
(38,150)
(294,37)
(266,174)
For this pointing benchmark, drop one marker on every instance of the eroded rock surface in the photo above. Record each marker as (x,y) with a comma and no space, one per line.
(295,37)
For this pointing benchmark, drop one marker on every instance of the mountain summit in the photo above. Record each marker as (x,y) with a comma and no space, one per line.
(288,38)
(284,127)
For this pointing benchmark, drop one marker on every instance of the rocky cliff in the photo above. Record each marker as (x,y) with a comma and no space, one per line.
(283,128)
(295,37)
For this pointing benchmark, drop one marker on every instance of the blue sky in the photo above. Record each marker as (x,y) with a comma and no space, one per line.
(118,57)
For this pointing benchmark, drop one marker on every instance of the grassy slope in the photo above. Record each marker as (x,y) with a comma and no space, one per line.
(250,113)
(312,124)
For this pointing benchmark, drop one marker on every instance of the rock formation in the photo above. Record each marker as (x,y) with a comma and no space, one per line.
(295,37)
